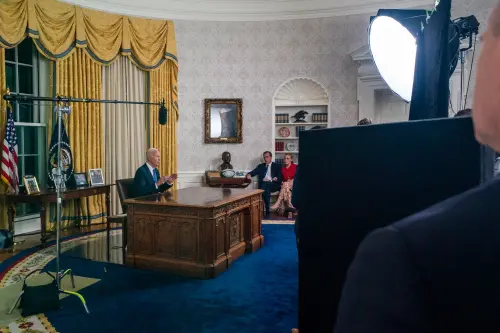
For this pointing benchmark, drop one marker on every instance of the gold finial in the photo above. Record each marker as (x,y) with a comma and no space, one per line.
(7,92)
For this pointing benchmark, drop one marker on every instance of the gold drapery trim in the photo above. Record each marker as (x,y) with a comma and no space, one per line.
(78,76)
(3,113)
(163,85)
(58,29)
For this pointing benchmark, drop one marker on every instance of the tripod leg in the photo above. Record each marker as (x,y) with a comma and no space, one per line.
(70,272)
(79,296)
(16,303)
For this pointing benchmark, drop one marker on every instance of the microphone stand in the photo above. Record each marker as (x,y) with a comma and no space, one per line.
(62,107)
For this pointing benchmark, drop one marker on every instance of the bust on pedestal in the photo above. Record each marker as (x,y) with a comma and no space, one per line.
(226,158)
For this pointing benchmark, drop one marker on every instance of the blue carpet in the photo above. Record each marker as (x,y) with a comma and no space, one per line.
(259,293)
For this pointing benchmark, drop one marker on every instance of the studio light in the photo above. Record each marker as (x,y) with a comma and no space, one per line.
(393,44)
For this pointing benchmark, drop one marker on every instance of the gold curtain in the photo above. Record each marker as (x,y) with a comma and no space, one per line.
(163,85)
(3,113)
(59,28)
(80,77)
(80,40)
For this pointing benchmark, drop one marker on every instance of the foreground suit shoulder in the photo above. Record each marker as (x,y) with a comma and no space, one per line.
(435,271)
(382,292)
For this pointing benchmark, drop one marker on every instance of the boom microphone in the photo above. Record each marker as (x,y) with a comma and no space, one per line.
(162,116)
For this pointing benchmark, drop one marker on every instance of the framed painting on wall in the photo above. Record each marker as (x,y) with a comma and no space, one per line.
(223,120)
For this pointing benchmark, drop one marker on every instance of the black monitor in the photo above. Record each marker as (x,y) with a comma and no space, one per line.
(357,179)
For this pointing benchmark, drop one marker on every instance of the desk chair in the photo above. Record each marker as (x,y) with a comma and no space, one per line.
(125,188)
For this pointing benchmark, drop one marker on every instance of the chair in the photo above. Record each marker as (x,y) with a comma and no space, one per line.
(125,188)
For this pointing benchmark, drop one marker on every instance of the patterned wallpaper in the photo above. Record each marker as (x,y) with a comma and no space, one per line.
(250,60)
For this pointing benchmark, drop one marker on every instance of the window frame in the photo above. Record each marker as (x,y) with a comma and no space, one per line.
(38,116)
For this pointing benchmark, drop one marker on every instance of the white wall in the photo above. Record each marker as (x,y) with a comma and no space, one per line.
(250,60)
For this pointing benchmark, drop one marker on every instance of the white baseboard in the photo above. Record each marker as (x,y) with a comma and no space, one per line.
(186,179)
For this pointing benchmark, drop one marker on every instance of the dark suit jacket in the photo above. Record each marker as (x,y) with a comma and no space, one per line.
(144,183)
(435,271)
(261,171)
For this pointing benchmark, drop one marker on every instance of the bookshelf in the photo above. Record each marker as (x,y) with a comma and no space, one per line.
(287,132)
(292,96)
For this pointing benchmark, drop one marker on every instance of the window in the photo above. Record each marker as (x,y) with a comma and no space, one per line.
(23,76)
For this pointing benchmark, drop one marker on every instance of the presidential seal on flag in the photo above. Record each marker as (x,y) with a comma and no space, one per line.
(66,156)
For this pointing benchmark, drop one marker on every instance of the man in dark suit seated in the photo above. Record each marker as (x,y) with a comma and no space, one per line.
(270,178)
(147,178)
(438,270)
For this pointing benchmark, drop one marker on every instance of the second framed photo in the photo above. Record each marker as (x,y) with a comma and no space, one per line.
(81,179)
(96,177)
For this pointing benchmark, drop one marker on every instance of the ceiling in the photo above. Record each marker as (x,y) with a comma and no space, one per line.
(244,10)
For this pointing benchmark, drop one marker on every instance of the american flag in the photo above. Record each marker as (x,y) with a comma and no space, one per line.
(9,155)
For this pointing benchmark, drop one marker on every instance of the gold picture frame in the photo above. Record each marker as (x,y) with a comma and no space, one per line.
(223,120)
(31,185)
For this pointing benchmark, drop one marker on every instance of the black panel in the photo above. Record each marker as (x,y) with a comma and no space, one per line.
(356,179)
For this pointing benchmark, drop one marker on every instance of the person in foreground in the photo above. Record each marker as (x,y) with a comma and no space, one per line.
(147,179)
(270,178)
(438,270)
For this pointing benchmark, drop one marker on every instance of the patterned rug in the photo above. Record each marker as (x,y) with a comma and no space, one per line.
(14,269)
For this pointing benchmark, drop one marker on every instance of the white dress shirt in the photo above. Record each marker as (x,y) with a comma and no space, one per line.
(268,173)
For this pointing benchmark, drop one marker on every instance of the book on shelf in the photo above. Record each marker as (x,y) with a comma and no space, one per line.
(320,117)
(299,129)
(280,161)
(279,146)
(281,118)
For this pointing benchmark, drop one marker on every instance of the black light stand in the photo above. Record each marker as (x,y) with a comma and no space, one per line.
(62,107)
(466,28)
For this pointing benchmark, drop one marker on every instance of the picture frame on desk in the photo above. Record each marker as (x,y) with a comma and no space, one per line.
(31,185)
(96,177)
(81,179)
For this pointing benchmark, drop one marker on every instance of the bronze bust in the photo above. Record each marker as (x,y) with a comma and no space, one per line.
(226,158)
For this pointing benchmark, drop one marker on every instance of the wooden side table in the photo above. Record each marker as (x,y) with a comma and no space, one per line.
(213,179)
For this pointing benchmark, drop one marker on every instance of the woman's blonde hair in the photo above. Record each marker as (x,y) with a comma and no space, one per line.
(291,156)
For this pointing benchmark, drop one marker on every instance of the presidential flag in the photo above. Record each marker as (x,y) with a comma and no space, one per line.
(66,154)
(10,175)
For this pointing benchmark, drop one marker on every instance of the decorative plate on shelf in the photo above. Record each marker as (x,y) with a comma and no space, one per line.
(291,146)
(284,132)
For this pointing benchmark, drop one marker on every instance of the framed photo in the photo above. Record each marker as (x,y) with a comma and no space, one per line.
(96,177)
(223,120)
(31,185)
(81,179)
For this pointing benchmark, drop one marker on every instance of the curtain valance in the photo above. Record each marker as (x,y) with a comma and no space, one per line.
(58,28)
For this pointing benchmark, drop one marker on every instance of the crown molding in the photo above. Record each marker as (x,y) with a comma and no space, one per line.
(244,10)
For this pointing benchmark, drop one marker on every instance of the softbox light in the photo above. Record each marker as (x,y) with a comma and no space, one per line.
(393,42)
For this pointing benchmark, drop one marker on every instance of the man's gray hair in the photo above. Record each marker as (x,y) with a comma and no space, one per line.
(150,152)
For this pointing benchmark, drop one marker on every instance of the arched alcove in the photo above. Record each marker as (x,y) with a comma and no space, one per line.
(292,96)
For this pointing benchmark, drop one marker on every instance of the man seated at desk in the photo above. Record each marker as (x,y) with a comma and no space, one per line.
(269,178)
(147,178)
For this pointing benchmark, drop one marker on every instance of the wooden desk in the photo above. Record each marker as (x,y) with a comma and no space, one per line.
(47,196)
(196,232)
